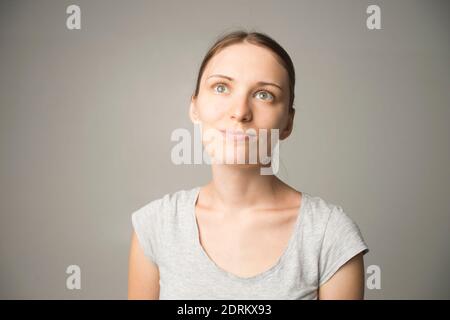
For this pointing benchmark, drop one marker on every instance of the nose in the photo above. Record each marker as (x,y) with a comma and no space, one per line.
(241,110)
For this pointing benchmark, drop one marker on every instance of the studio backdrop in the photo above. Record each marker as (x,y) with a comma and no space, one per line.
(91,92)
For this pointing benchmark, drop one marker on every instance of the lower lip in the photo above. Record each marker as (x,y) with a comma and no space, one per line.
(238,137)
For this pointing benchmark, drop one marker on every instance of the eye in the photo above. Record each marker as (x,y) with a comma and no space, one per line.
(221,87)
(265,95)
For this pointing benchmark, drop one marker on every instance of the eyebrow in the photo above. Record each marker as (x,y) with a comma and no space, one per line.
(261,83)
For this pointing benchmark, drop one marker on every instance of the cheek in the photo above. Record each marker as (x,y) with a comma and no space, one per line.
(211,109)
(269,118)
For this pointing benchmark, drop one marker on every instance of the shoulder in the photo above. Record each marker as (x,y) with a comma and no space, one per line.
(328,217)
(337,230)
(319,210)
(164,206)
(337,234)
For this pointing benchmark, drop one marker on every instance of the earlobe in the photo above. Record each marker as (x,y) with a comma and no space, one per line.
(193,113)
(288,130)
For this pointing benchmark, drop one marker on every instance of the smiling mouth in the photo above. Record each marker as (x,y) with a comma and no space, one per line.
(237,135)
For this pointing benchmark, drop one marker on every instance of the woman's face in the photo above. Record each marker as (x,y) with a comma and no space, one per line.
(242,87)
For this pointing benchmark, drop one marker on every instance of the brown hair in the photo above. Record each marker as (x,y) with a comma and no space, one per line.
(256,38)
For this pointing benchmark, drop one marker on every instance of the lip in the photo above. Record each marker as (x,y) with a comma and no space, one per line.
(236,134)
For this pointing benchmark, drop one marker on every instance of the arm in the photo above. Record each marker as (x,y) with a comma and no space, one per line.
(143,274)
(347,283)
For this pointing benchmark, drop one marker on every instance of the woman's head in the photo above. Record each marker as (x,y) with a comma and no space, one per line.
(254,38)
(246,81)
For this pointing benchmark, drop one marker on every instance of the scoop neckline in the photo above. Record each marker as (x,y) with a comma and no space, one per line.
(216,268)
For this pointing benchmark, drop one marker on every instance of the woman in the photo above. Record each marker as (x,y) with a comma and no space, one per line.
(244,235)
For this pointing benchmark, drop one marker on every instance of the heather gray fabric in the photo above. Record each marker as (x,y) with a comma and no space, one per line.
(325,238)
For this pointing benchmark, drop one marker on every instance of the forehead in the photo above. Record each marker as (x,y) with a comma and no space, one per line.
(249,63)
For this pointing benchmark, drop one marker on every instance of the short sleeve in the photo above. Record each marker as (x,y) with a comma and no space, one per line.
(144,224)
(342,240)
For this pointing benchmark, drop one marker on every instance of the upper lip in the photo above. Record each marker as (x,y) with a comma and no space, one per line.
(237,132)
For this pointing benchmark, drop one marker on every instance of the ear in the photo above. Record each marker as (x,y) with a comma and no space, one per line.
(290,125)
(193,113)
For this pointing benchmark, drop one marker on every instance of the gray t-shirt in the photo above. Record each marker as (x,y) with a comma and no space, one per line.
(324,238)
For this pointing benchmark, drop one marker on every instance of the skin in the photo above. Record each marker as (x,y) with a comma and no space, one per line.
(238,195)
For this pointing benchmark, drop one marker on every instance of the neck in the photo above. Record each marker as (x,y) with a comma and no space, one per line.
(235,187)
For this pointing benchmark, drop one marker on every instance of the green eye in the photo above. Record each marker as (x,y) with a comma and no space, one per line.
(264,95)
(218,86)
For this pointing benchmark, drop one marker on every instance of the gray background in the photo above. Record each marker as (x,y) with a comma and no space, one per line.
(86,117)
